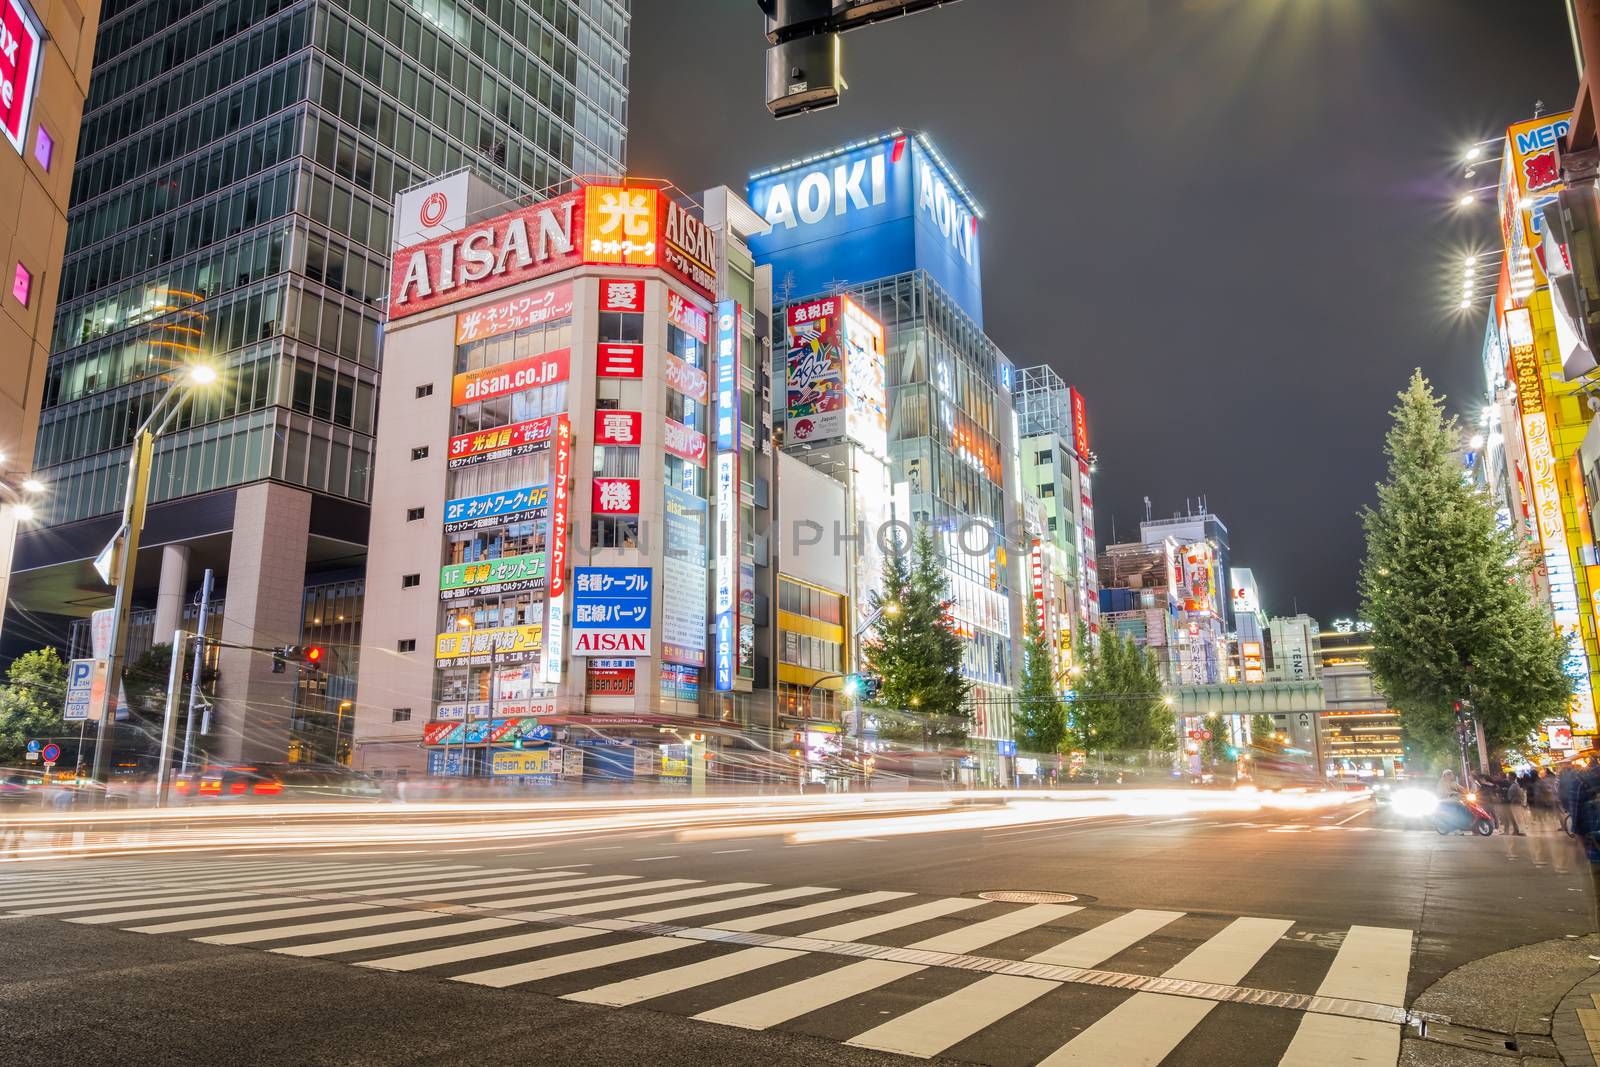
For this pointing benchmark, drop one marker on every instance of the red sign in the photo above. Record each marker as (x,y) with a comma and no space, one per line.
(562,462)
(434,733)
(515,440)
(687,317)
(690,381)
(1080,426)
(620,361)
(517,313)
(621,295)
(520,245)
(681,441)
(617,427)
(616,496)
(1037,564)
(547,368)
(612,681)
(19,69)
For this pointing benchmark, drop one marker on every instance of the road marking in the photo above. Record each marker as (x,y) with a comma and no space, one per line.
(333,926)
(478,949)
(1292,828)
(1351,818)
(595,907)
(894,920)
(731,851)
(535,881)
(528,877)
(628,885)
(677,979)
(808,911)
(395,937)
(248,917)
(971,938)
(554,966)
(799,998)
(244,896)
(172,885)
(1100,943)
(1371,965)
(187,909)
(653,859)
(732,904)
(1144,1029)
(933,1027)
(604,848)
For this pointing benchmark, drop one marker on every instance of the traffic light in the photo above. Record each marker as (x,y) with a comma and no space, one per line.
(312,656)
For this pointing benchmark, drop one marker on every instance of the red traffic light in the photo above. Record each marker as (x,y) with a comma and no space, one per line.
(314,655)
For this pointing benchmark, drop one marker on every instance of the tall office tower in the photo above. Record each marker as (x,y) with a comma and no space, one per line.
(232,203)
(42,83)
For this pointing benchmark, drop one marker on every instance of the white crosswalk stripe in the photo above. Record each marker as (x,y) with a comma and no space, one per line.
(511,927)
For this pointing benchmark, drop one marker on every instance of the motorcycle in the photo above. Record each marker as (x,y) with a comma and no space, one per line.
(1463,814)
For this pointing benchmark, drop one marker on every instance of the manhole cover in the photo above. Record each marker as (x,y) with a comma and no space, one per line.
(1027,896)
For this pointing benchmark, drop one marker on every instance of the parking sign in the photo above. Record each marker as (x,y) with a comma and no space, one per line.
(85,681)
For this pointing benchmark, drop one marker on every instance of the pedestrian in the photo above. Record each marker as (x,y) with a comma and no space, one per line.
(1516,803)
(1586,826)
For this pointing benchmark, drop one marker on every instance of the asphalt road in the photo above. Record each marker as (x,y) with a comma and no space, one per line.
(1249,915)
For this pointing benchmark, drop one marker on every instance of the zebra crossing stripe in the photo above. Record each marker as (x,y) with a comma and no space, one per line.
(630,886)
(245,897)
(1100,943)
(677,979)
(935,1026)
(733,904)
(183,925)
(1371,965)
(809,911)
(170,885)
(592,879)
(1021,920)
(478,949)
(496,884)
(554,966)
(160,913)
(1144,1029)
(395,937)
(800,998)
(894,920)
(595,907)
(330,926)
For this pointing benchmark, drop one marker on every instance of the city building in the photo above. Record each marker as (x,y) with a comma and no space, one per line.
(886,223)
(561,575)
(1056,475)
(1205,619)
(1293,645)
(1141,599)
(44,80)
(234,202)
(1250,627)
(1538,376)
(1358,736)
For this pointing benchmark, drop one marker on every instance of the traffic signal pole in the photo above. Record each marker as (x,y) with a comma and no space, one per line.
(169,719)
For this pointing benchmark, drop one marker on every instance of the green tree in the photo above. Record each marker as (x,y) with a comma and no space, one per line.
(1262,728)
(1447,593)
(30,702)
(913,650)
(1040,724)
(1119,707)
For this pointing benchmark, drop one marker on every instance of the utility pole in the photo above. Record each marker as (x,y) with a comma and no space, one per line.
(169,718)
(199,663)
(127,563)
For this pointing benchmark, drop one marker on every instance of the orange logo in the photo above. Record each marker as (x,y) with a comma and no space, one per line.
(619,225)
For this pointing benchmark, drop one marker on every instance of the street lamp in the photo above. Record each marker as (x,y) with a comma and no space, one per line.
(124,558)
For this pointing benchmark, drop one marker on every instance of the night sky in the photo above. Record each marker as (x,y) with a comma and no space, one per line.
(1229,223)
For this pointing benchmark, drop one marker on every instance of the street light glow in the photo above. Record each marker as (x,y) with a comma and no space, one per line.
(202,374)
(32,485)
(1466,200)
(24,512)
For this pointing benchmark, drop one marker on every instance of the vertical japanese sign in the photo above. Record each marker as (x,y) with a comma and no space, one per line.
(725,609)
(1080,425)
(557,588)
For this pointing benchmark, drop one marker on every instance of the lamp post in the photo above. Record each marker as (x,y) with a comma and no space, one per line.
(125,557)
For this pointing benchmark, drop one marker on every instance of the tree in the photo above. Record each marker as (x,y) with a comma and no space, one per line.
(1119,707)
(1447,593)
(1040,724)
(912,648)
(1262,728)
(30,702)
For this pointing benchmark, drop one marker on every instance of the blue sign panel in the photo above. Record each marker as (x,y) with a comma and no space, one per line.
(870,211)
(611,613)
(496,509)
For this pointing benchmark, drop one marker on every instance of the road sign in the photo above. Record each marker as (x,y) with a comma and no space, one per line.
(30,755)
(85,677)
(105,564)
(34,746)
(51,752)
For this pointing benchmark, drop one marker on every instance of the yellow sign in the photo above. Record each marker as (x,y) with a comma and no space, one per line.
(526,761)
(619,225)
(476,646)
(1530,174)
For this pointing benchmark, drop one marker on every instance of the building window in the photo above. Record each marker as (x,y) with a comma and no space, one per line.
(413,514)
(1042,457)
(614,531)
(1047,490)
(424,390)
(402,714)
(420,452)
(410,581)
(408,644)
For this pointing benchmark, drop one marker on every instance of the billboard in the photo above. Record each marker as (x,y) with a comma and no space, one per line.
(1197,582)
(866,401)
(496,509)
(555,603)
(816,397)
(508,574)
(530,372)
(869,210)
(644,227)
(725,482)
(1080,425)
(518,439)
(19,69)
(611,611)
(517,313)
(505,644)
(683,601)
(1530,178)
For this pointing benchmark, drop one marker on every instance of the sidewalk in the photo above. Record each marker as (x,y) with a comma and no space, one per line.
(1523,1006)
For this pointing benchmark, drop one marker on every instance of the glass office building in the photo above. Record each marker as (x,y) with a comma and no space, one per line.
(232,202)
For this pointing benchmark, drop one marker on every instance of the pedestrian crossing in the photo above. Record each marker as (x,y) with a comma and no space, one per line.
(885,970)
